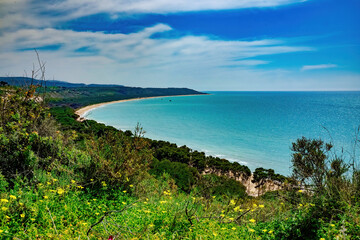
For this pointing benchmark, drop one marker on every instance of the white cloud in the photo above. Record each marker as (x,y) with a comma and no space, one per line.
(316,67)
(161,6)
(45,13)
(136,58)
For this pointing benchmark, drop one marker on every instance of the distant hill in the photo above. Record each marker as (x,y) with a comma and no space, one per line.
(25,81)
(77,95)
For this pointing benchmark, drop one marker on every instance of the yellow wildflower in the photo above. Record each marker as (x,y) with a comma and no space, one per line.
(73,181)
(12,197)
(22,215)
(332,225)
(215,234)
(232,202)
(322,238)
(300,191)
(1,231)
(151,225)
(251,230)
(4,200)
(4,208)
(97,213)
(271,231)
(131,185)
(7,217)
(124,203)
(103,183)
(252,220)
(265,230)
(60,191)
(254,205)
(213,196)
(300,205)
(124,191)
(91,180)
(234,228)
(46,197)
(32,219)
(48,183)
(261,206)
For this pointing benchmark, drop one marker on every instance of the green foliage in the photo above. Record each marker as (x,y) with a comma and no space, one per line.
(184,176)
(117,159)
(71,180)
(212,185)
(261,176)
(309,161)
(183,154)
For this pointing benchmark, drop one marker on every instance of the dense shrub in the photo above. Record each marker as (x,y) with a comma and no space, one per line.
(184,176)
(213,185)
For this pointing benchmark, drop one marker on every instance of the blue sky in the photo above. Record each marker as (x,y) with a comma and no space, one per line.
(263,45)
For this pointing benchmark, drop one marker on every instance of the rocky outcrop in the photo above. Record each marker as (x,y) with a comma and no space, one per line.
(252,189)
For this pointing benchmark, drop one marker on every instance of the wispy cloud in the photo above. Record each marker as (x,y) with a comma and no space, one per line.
(136,55)
(316,67)
(44,13)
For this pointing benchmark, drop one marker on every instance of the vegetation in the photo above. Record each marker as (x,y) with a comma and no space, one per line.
(62,179)
(78,95)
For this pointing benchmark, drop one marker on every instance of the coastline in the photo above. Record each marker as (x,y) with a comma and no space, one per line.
(251,188)
(81,112)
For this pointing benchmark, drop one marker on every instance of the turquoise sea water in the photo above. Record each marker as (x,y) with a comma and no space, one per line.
(252,128)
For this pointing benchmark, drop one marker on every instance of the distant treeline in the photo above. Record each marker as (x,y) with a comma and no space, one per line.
(76,95)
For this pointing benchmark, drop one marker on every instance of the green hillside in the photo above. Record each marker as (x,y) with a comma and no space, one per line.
(76,95)
(63,179)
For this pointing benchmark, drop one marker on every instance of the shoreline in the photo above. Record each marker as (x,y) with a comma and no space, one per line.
(81,112)
(250,187)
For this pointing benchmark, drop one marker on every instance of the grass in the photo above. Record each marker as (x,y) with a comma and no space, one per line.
(70,180)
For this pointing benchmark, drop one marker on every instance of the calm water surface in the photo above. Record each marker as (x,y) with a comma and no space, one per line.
(253,128)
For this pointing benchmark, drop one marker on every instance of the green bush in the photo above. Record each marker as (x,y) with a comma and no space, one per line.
(184,176)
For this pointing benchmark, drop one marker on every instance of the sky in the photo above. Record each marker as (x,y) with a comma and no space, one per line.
(207,45)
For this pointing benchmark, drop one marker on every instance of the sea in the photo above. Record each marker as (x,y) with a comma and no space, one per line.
(256,129)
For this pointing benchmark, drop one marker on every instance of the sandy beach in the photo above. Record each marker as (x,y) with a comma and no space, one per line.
(83,111)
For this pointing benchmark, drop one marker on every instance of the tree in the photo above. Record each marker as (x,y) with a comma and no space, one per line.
(309,161)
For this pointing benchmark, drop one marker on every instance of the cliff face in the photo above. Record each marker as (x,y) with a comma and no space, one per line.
(251,188)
